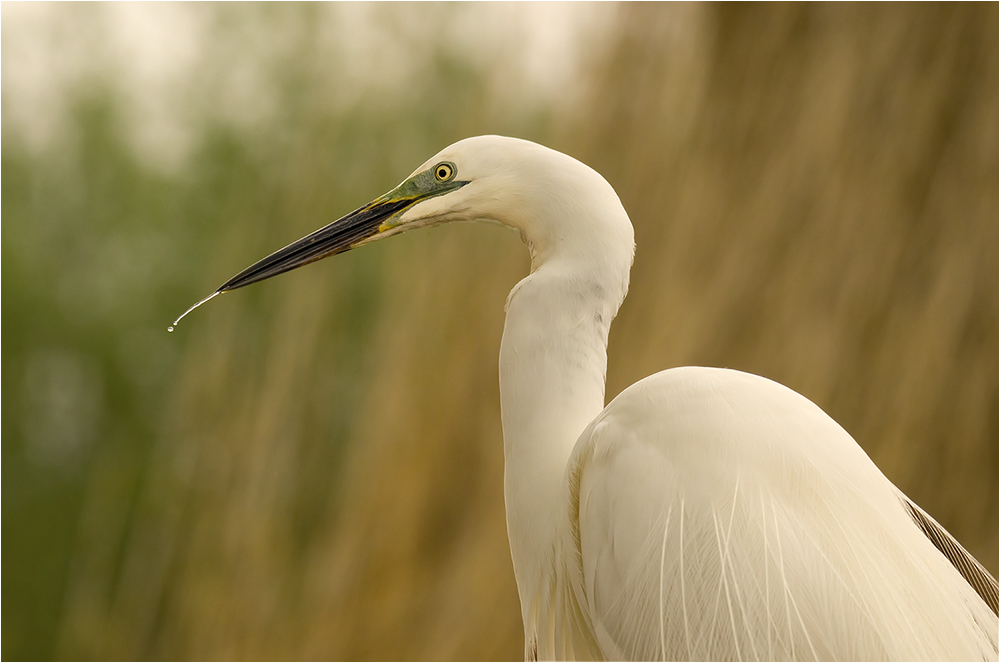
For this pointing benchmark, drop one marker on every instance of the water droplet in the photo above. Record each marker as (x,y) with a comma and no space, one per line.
(171,327)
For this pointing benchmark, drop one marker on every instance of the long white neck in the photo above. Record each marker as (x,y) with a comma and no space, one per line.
(553,363)
(553,357)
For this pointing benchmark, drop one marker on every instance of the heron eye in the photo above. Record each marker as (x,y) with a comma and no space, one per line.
(444,172)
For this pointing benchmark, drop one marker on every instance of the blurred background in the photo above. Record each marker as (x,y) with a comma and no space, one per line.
(312,467)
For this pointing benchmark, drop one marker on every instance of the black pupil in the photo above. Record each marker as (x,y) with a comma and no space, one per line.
(442,172)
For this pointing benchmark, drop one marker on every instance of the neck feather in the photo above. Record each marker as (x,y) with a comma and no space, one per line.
(553,361)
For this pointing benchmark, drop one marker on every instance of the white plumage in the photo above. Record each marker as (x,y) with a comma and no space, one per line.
(724,516)
(704,513)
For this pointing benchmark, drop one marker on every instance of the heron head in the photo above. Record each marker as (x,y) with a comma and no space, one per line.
(509,181)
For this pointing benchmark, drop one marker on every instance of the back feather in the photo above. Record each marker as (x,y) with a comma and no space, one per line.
(722,516)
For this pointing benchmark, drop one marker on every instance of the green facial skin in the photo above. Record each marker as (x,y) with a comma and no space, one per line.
(423,185)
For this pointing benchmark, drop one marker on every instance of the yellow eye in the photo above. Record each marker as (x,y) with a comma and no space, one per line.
(444,172)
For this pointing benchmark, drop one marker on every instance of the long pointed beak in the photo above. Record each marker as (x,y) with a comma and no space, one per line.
(342,235)
(347,232)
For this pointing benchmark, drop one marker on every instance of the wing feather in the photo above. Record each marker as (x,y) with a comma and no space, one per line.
(970,568)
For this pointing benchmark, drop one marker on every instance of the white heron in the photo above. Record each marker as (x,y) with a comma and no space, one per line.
(704,513)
